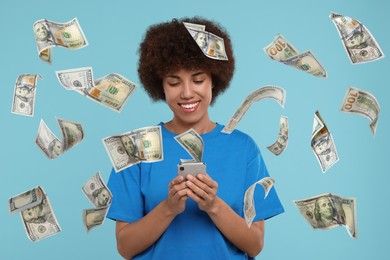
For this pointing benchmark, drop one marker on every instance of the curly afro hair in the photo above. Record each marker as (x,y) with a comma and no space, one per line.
(168,47)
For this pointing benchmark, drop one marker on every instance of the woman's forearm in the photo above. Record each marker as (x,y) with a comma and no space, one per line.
(236,230)
(133,238)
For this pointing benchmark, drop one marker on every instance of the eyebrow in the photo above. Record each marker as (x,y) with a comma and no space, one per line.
(192,75)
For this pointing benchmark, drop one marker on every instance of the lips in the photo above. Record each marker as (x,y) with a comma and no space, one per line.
(189,107)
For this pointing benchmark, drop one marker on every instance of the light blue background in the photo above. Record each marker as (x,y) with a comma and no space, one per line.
(114,30)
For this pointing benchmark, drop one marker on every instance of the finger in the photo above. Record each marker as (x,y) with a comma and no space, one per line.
(193,196)
(207,180)
(199,183)
(175,181)
(180,194)
(196,189)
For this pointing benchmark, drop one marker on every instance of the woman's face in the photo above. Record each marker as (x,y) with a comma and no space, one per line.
(188,94)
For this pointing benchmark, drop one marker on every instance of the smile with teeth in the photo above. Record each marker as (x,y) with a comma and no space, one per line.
(191,106)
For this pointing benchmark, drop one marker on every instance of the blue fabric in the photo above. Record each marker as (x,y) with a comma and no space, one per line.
(232,160)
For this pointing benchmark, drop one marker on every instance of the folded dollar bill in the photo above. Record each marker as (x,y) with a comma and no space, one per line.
(112,90)
(283,51)
(322,144)
(100,196)
(36,212)
(357,101)
(327,211)
(192,142)
(49,34)
(281,142)
(249,204)
(94,217)
(24,94)
(27,199)
(273,92)
(97,191)
(140,145)
(72,134)
(211,45)
(357,40)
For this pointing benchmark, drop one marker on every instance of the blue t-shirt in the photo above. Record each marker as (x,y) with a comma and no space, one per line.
(232,160)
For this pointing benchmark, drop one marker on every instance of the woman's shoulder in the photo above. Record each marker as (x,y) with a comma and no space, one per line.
(240,137)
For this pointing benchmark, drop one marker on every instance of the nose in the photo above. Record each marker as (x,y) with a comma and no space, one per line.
(187,91)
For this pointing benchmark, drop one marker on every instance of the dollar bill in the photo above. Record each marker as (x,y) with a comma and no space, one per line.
(39,221)
(283,51)
(97,191)
(307,62)
(100,196)
(211,45)
(140,145)
(72,134)
(49,34)
(357,40)
(112,90)
(322,144)
(281,142)
(27,199)
(273,92)
(249,204)
(192,142)
(357,101)
(327,211)
(94,217)
(280,49)
(195,26)
(24,94)
(80,78)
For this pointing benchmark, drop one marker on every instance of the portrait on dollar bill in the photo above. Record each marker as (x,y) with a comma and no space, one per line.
(202,40)
(102,197)
(325,213)
(54,149)
(43,35)
(39,214)
(24,98)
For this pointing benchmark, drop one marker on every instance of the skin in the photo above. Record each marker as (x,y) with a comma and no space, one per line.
(185,88)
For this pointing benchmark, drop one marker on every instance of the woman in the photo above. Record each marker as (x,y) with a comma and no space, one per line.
(159,215)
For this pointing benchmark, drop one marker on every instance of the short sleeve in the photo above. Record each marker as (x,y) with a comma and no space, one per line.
(256,170)
(127,201)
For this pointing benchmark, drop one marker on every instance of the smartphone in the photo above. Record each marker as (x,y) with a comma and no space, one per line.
(192,168)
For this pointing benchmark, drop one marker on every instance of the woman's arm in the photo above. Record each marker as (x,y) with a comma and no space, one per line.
(203,190)
(133,238)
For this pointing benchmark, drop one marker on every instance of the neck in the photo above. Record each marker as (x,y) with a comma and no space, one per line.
(179,127)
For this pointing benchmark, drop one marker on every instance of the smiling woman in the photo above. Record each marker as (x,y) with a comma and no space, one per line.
(160,215)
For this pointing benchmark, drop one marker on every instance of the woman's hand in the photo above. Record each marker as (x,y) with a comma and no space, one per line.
(177,195)
(203,190)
